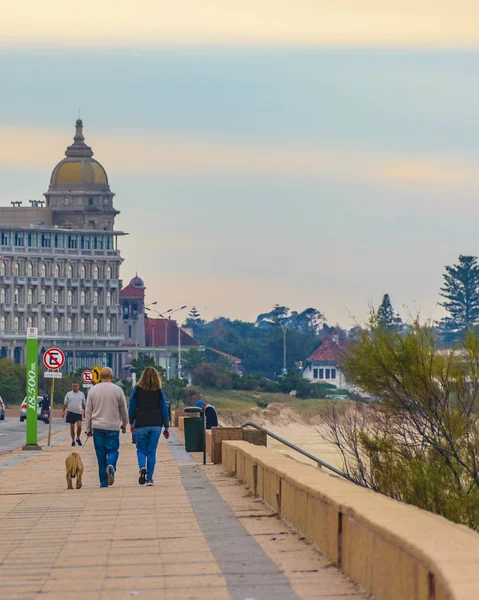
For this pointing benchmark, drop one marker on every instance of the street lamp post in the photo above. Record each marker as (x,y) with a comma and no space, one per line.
(169,312)
(284,328)
(162,315)
(179,339)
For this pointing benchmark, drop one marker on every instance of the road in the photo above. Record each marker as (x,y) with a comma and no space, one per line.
(12,432)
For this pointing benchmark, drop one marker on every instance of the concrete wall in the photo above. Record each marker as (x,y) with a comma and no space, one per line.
(395,551)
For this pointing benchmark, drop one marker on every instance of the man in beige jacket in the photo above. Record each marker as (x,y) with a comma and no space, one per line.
(105,414)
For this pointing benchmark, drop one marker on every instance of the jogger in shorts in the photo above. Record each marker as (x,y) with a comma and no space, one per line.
(74,406)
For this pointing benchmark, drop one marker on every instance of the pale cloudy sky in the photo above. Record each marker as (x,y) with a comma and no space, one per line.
(311,153)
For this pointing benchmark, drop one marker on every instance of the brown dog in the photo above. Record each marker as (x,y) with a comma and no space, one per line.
(74,468)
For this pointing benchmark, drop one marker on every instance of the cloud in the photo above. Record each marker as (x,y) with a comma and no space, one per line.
(370,22)
(173,154)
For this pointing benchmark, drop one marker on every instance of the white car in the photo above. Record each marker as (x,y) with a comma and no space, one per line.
(23,409)
(2,409)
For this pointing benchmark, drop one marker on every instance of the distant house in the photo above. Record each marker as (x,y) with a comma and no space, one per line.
(323,364)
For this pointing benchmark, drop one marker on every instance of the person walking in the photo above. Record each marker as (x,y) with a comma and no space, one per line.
(148,413)
(74,406)
(106,413)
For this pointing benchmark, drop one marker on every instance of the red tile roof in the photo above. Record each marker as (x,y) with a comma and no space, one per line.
(130,291)
(230,357)
(329,350)
(155,333)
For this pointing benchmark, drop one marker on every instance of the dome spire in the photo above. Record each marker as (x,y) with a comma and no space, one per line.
(79,149)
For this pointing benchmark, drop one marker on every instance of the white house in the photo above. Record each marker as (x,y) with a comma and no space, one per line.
(323,364)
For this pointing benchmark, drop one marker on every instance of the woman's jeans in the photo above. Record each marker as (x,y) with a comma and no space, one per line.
(107,446)
(147,439)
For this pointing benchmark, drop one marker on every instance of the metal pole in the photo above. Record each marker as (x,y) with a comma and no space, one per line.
(166,348)
(52,393)
(284,349)
(179,352)
(136,337)
(204,435)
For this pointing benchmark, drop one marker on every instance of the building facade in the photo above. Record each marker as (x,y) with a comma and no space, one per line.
(161,338)
(60,266)
(324,364)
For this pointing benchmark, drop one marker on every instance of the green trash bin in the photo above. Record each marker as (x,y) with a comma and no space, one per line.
(194,432)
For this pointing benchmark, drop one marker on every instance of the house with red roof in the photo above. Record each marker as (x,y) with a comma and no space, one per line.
(161,338)
(323,366)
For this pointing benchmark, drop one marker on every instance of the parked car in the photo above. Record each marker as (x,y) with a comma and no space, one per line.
(2,409)
(23,409)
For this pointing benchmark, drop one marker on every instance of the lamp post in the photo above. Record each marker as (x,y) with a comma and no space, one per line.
(179,339)
(162,315)
(283,328)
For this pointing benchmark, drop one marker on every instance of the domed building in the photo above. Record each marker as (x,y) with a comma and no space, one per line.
(60,266)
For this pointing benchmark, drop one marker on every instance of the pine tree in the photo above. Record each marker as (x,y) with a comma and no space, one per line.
(461,293)
(385,314)
(194,321)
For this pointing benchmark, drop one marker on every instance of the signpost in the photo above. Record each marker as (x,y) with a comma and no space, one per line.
(87,378)
(53,359)
(32,389)
(96,371)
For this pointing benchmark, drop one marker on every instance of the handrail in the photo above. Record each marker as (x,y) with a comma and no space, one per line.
(317,460)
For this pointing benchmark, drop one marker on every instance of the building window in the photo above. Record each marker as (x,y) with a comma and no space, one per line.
(333,373)
(97,243)
(69,324)
(70,272)
(82,324)
(2,323)
(70,298)
(72,241)
(16,296)
(16,269)
(85,243)
(82,298)
(58,240)
(82,272)
(108,273)
(108,325)
(29,269)
(56,324)
(90,201)
(19,238)
(321,373)
(5,239)
(56,271)
(29,322)
(2,269)
(109,243)
(32,240)
(44,296)
(16,323)
(43,324)
(43,270)
(315,373)
(129,331)
(95,298)
(96,272)
(108,298)
(95,325)
(2,296)
(328,374)
(46,240)
(30,296)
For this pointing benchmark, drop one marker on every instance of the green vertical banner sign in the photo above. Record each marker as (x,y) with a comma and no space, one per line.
(32,385)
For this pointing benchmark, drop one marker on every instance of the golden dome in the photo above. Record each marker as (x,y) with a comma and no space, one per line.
(79,169)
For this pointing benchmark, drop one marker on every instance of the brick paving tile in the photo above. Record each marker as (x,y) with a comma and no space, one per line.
(109,544)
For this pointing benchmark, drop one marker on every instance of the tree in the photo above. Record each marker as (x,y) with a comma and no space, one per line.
(419,444)
(385,315)
(194,321)
(138,365)
(461,293)
(192,359)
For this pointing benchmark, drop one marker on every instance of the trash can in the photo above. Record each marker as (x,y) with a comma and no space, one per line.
(194,432)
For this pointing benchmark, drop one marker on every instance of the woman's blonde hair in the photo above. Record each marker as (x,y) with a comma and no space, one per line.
(150,380)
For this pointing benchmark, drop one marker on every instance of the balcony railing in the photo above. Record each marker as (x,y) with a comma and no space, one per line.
(47,281)
(61,281)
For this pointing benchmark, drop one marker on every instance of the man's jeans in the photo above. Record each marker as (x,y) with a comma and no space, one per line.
(147,439)
(107,446)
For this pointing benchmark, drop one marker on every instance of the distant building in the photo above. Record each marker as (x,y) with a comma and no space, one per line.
(60,266)
(236,365)
(159,338)
(323,365)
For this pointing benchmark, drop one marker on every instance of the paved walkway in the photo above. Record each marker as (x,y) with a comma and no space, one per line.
(196,534)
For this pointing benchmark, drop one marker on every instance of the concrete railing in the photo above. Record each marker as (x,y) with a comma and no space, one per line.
(393,550)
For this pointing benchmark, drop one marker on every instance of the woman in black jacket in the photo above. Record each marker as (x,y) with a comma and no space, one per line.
(148,413)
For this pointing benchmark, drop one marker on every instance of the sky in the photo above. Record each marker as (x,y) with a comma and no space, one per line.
(315,153)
